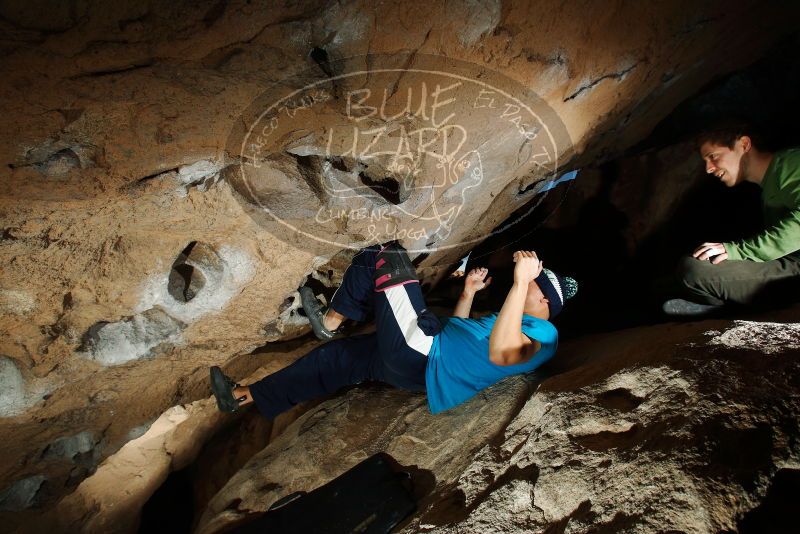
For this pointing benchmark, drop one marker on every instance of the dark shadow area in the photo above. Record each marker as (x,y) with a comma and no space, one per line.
(602,228)
(764,93)
(171,508)
(386,186)
(184,280)
(776,514)
(618,287)
(178,503)
(371,497)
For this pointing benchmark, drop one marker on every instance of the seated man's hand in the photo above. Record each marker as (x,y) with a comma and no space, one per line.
(528,267)
(477,280)
(714,251)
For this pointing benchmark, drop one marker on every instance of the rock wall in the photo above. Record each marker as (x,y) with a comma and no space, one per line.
(133,259)
(676,427)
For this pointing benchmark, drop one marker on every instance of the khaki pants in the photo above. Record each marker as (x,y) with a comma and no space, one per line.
(741,282)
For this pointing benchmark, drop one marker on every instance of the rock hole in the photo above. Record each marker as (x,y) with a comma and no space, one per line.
(126,23)
(320,57)
(310,169)
(448,507)
(171,507)
(185,281)
(70,447)
(607,439)
(620,399)
(156,175)
(289,323)
(233,506)
(622,522)
(341,164)
(528,473)
(387,187)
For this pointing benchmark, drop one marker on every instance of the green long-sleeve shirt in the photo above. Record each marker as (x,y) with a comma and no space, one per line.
(780,199)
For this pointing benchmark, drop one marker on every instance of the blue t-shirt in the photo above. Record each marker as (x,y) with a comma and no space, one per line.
(458,362)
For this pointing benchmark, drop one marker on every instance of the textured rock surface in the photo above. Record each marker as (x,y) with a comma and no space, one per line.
(338,434)
(110,499)
(117,119)
(673,427)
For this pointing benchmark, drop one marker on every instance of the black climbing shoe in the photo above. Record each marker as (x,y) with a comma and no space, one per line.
(315,313)
(685,308)
(222,386)
(393,268)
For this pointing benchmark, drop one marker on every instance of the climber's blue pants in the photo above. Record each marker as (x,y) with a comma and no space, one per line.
(396,353)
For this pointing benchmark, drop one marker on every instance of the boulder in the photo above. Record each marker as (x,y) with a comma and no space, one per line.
(672,427)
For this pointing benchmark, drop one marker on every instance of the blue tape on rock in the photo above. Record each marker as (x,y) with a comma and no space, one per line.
(463,266)
(566,177)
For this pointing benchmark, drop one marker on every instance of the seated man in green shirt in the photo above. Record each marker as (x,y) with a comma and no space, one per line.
(755,269)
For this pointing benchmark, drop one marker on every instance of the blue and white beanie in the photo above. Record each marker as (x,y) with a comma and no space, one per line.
(557,289)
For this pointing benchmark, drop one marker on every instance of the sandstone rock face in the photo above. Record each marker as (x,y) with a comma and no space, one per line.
(111,498)
(649,447)
(134,259)
(674,427)
(339,433)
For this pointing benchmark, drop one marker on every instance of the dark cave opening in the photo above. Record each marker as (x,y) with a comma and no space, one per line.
(171,508)
(590,229)
(776,513)
(320,57)
(185,281)
(387,187)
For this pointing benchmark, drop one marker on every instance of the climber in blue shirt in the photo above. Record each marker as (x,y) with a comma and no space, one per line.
(451,359)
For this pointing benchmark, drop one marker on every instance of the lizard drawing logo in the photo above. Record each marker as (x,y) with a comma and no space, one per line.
(415,152)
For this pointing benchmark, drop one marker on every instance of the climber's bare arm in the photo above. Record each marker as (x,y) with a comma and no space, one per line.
(507,344)
(475,281)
